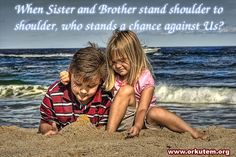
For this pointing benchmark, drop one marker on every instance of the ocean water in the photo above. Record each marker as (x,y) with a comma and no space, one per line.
(197,83)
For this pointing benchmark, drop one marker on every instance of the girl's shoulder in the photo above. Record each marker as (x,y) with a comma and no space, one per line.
(145,80)
(145,73)
(146,76)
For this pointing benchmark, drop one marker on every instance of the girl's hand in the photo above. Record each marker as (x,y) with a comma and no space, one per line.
(134,131)
(64,77)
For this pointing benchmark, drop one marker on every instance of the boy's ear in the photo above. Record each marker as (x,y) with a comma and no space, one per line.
(69,73)
(69,70)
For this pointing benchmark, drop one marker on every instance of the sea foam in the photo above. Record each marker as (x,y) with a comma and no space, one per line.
(195,95)
(165,93)
(7,91)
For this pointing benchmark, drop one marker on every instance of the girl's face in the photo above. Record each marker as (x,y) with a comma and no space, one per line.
(84,91)
(121,66)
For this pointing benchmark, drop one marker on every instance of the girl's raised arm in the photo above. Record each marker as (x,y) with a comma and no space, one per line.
(64,77)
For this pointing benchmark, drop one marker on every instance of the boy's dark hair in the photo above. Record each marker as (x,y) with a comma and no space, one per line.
(88,62)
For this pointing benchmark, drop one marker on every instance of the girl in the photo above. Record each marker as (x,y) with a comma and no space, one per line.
(130,77)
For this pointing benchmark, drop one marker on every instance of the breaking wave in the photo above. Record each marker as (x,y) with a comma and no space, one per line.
(195,95)
(165,93)
(20,91)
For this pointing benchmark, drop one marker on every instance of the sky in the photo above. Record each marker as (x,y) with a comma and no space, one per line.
(209,22)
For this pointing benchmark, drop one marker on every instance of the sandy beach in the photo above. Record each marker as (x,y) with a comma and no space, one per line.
(80,139)
(197,83)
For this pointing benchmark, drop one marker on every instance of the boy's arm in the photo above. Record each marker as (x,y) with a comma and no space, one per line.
(47,123)
(107,104)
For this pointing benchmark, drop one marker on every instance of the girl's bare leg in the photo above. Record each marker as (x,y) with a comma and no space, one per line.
(123,99)
(160,116)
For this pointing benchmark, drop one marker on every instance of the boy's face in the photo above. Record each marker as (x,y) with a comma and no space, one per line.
(84,90)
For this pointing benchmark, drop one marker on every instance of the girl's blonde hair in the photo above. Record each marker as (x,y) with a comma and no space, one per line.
(125,44)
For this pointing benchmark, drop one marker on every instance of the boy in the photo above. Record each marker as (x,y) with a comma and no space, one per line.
(63,104)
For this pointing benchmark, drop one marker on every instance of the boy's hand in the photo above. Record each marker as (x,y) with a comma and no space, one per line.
(54,130)
(64,77)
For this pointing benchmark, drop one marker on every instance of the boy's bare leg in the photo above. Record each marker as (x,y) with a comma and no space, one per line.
(123,99)
(160,116)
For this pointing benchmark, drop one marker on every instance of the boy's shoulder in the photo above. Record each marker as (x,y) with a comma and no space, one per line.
(103,94)
(106,93)
(57,86)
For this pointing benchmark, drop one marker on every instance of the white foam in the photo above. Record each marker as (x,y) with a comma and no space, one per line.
(198,95)
(21,90)
(165,94)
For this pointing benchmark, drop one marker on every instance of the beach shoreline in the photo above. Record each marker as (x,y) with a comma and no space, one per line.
(196,83)
(75,141)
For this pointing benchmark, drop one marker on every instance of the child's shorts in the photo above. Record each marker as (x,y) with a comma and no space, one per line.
(128,121)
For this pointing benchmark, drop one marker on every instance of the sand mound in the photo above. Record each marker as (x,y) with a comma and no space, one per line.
(85,140)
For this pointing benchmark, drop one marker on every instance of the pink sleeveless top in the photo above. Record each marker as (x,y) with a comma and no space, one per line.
(145,80)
